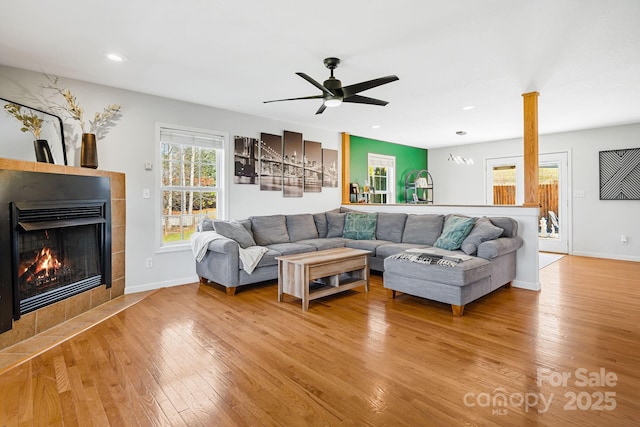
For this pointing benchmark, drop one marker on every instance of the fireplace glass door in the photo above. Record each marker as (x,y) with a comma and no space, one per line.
(59,251)
(53,258)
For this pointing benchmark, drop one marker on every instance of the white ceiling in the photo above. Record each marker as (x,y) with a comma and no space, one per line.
(582,56)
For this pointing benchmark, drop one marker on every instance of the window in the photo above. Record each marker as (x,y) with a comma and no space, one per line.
(381,178)
(191,183)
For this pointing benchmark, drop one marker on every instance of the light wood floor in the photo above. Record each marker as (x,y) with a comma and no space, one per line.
(191,355)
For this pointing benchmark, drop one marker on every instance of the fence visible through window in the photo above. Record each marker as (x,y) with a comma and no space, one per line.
(190,186)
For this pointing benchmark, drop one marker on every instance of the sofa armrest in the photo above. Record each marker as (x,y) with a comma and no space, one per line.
(220,263)
(503,245)
(224,246)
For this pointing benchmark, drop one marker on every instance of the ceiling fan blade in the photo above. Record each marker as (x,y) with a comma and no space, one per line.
(321,109)
(359,99)
(294,99)
(316,84)
(360,87)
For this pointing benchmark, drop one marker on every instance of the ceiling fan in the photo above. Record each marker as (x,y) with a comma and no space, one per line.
(334,93)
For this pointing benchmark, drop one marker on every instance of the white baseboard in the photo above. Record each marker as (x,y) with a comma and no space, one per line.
(607,256)
(157,285)
(530,286)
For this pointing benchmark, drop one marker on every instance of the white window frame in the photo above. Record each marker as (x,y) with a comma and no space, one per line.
(222,183)
(381,160)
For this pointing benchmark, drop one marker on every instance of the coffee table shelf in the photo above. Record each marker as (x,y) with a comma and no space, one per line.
(337,270)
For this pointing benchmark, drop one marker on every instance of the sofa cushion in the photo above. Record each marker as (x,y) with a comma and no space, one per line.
(268,259)
(389,249)
(422,229)
(390,226)
(509,225)
(234,230)
(360,226)
(269,229)
(321,224)
(367,245)
(301,226)
(326,243)
(291,248)
(335,224)
(280,249)
(483,231)
(455,230)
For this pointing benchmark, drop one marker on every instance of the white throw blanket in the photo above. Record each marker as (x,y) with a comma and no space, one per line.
(249,256)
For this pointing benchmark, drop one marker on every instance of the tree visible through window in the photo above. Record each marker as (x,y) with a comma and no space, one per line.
(191,181)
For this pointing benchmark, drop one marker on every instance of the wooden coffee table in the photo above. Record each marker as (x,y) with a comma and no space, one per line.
(331,270)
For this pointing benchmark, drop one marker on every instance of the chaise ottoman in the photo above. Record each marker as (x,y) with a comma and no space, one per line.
(457,285)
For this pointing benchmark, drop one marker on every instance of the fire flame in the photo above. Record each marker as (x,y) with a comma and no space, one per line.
(45,264)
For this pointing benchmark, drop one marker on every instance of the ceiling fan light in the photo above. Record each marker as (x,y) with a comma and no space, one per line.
(332,102)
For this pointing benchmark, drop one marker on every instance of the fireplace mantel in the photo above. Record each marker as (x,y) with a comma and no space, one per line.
(40,320)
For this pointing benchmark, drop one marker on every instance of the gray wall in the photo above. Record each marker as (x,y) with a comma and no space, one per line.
(133,142)
(596,224)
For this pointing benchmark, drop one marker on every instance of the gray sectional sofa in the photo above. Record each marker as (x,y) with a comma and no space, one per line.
(491,244)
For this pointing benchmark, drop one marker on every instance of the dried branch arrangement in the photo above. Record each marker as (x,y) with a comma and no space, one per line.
(101,122)
(31,122)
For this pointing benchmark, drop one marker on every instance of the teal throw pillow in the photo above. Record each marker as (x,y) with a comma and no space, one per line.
(360,226)
(455,230)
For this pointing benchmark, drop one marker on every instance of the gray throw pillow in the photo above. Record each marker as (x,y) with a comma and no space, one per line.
(335,224)
(509,225)
(269,229)
(483,231)
(235,231)
(206,225)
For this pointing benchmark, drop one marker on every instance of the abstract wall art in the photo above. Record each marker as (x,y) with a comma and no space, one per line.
(620,174)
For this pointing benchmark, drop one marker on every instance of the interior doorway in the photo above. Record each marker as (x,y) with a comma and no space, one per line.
(505,186)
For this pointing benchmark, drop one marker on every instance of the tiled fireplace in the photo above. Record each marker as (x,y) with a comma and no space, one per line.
(61,242)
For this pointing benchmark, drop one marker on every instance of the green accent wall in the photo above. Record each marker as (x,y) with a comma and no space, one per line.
(407,159)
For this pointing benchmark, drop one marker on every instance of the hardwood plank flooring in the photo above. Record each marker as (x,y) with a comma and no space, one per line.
(191,355)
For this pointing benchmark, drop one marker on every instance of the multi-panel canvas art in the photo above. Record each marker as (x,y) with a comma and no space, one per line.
(270,162)
(292,164)
(329,168)
(284,163)
(245,157)
(312,167)
(620,174)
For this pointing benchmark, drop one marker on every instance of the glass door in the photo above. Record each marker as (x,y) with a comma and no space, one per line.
(505,186)
(552,193)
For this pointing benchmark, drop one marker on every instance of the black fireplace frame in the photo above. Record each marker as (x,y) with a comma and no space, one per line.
(32,188)
(41,216)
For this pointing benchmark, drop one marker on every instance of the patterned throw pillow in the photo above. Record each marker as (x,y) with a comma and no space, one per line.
(455,230)
(360,226)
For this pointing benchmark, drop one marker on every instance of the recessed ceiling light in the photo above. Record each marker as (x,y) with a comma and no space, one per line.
(114,57)
(375,126)
(461,132)
(468,107)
